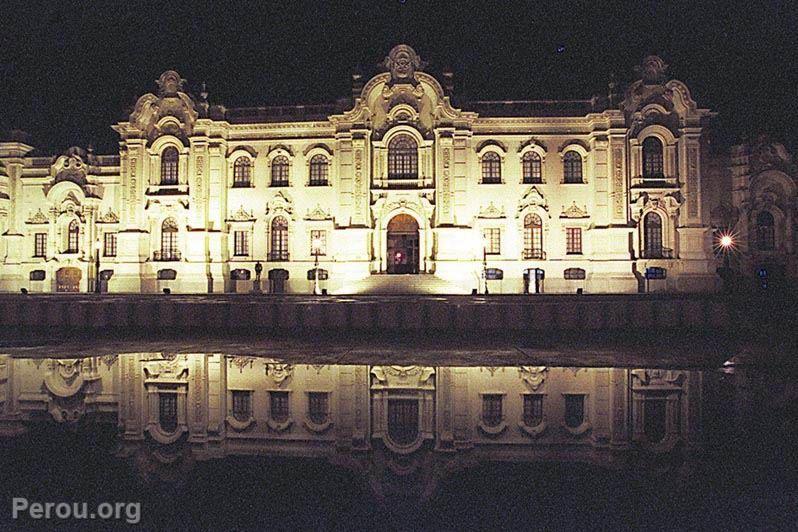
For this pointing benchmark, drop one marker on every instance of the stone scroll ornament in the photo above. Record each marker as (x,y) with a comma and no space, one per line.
(402,62)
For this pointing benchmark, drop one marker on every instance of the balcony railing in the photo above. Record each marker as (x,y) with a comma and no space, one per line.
(534,254)
(166,255)
(277,256)
(656,253)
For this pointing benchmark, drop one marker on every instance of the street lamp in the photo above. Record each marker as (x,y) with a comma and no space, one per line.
(485,262)
(316,248)
(97,266)
(726,246)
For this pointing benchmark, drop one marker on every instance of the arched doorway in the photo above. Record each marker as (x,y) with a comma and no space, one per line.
(403,244)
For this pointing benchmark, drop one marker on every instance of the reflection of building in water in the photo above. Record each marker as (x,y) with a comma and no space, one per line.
(394,423)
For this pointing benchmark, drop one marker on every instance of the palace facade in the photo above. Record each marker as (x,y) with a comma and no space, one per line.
(393,188)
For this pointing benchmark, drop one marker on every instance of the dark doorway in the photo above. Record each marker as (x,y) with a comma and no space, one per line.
(403,244)
(277,279)
(67,279)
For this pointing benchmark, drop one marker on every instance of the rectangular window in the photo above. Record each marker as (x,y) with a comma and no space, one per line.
(242,405)
(533,410)
(492,240)
(241,243)
(573,240)
(167,411)
(318,242)
(40,245)
(492,409)
(109,244)
(318,403)
(278,406)
(574,410)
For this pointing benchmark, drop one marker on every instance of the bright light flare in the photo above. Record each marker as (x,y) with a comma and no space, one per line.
(725,242)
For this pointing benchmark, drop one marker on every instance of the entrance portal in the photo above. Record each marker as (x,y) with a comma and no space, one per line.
(67,279)
(403,244)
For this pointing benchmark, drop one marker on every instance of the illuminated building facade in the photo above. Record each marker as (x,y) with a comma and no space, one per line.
(510,196)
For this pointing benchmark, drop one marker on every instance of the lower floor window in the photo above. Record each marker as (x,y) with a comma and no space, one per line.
(403,420)
(533,410)
(167,411)
(241,243)
(574,410)
(278,406)
(40,245)
(109,244)
(242,405)
(318,407)
(492,409)
(492,240)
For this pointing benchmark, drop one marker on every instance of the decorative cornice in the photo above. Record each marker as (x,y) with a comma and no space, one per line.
(574,212)
(242,215)
(491,211)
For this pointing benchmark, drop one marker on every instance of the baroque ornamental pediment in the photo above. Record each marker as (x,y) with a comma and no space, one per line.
(242,215)
(110,217)
(574,212)
(533,376)
(280,203)
(402,62)
(38,218)
(318,214)
(491,211)
(170,101)
(402,376)
(670,203)
(533,198)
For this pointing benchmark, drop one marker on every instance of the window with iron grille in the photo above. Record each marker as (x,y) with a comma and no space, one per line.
(169,166)
(533,410)
(318,237)
(403,158)
(40,245)
(572,167)
(574,274)
(765,232)
(167,411)
(652,230)
(532,170)
(492,239)
(491,168)
(109,244)
(318,407)
(403,420)
(574,410)
(278,406)
(242,405)
(573,240)
(492,409)
(652,158)
(319,169)
(73,237)
(279,239)
(280,171)
(241,243)
(242,172)
(533,237)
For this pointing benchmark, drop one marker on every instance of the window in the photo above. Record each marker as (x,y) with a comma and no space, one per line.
(241,243)
(574,274)
(533,237)
(40,245)
(242,405)
(279,239)
(403,420)
(280,171)
(169,165)
(652,158)
(242,172)
(765,232)
(491,168)
(533,410)
(402,158)
(572,167)
(278,406)
(167,411)
(492,240)
(654,409)
(573,240)
(169,240)
(73,237)
(319,170)
(574,410)
(652,232)
(492,410)
(318,407)
(109,244)
(318,242)
(531,167)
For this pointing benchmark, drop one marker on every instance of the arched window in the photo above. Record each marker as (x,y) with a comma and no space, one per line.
(533,237)
(73,237)
(319,170)
(652,236)
(403,158)
(169,165)
(279,239)
(280,171)
(169,249)
(572,167)
(242,172)
(765,232)
(532,168)
(491,168)
(652,158)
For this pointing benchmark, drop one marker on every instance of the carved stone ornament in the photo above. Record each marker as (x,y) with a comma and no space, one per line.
(169,83)
(280,202)
(491,211)
(402,375)
(242,215)
(175,369)
(652,70)
(67,381)
(70,168)
(533,198)
(574,212)
(318,214)
(240,362)
(402,62)
(533,376)
(661,378)
(38,218)
(279,372)
(110,217)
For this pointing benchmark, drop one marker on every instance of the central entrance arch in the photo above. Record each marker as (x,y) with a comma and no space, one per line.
(403,245)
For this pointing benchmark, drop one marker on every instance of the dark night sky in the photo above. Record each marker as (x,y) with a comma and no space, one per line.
(68,70)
